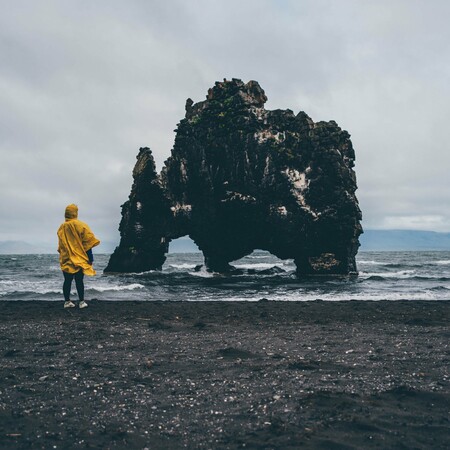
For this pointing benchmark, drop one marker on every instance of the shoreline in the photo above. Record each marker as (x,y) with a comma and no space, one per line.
(184,374)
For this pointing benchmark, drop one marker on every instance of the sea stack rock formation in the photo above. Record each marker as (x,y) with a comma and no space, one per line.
(241,178)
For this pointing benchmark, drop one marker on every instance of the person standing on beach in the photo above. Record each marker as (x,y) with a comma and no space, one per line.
(75,243)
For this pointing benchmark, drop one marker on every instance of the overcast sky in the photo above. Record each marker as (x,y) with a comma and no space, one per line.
(84,84)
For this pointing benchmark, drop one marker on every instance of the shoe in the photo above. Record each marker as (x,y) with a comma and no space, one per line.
(83,304)
(69,304)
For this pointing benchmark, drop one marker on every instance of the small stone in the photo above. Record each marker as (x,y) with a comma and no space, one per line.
(148,363)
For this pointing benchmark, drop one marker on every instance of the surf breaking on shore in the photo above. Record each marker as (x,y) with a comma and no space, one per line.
(382,276)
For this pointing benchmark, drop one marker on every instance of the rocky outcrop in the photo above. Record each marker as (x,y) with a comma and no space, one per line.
(241,178)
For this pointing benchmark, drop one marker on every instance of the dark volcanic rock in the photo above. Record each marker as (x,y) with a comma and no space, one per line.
(242,178)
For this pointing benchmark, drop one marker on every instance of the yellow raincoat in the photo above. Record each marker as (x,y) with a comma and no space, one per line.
(75,238)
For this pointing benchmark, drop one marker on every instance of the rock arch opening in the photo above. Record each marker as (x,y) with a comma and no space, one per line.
(183,244)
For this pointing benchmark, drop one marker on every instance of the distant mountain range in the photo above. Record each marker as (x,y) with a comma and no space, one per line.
(371,240)
(398,240)
(23,248)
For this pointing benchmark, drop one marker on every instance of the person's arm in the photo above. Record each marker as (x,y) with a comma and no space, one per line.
(90,256)
(88,238)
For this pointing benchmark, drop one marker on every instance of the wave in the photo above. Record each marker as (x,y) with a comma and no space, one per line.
(183,266)
(260,254)
(256,266)
(397,274)
(372,262)
(34,292)
(394,276)
(205,274)
(376,278)
(431,277)
(45,288)
(428,294)
(364,276)
(440,288)
(8,287)
(126,287)
(136,274)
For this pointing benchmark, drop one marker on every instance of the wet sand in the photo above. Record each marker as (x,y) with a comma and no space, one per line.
(261,375)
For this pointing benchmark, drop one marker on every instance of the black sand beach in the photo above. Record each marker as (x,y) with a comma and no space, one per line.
(260,375)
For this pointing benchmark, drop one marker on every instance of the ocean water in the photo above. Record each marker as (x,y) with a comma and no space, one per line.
(382,276)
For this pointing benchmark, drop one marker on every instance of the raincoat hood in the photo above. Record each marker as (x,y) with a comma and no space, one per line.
(71,211)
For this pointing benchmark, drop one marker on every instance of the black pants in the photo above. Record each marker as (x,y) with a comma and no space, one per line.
(68,277)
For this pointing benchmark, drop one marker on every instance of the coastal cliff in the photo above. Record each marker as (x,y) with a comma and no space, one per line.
(241,178)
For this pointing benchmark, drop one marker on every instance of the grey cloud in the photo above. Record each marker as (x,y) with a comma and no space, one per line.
(84,85)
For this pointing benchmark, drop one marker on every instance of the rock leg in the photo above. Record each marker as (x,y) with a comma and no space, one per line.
(138,258)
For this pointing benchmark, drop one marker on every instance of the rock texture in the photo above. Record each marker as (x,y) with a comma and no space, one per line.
(241,178)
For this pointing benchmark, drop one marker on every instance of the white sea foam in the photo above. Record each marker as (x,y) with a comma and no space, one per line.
(262,255)
(44,287)
(257,265)
(38,291)
(47,291)
(367,296)
(372,262)
(125,287)
(443,262)
(140,274)
(183,266)
(203,273)
(24,286)
(302,296)
(397,274)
